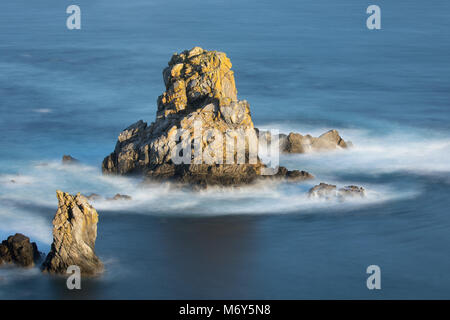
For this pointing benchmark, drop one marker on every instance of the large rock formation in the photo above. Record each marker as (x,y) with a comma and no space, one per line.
(200,102)
(74,235)
(18,250)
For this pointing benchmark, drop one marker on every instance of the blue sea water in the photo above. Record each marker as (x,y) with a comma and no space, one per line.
(306,66)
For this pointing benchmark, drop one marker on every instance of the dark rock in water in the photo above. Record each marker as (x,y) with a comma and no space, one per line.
(323,190)
(294,175)
(352,191)
(329,191)
(328,140)
(204,175)
(17,249)
(13,181)
(297,175)
(200,88)
(67,159)
(74,235)
(42,164)
(297,143)
(93,197)
(119,196)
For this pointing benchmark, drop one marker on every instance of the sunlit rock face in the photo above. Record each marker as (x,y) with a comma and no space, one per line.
(74,235)
(197,78)
(200,102)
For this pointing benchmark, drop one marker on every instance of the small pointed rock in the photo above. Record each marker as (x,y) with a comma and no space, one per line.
(119,196)
(68,159)
(74,235)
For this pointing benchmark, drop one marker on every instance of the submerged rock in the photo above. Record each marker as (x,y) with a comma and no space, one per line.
(119,196)
(294,175)
(68,159)
(323,190)
(74,235)
(93,197)
(329,191)
(18,250)
(352,191)
(200,91)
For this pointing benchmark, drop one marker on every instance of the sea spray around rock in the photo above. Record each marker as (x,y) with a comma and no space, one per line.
(200,89)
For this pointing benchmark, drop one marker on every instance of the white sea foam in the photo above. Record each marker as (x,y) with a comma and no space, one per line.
(42,110)
(265,197)
(10,274)
(417,152)
(16,220)
(35,186)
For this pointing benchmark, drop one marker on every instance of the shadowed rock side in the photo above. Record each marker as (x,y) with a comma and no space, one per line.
(18,250)
(200,88)
(74,235)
